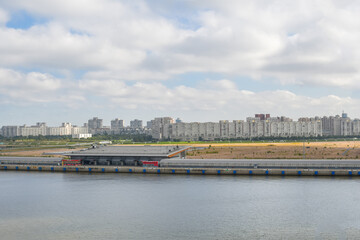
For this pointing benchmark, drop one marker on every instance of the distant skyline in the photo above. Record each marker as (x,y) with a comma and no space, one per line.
(107,123)
(68,61)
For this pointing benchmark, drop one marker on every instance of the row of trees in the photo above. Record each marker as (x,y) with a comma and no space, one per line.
(320,138)
(122,137)
(147,138)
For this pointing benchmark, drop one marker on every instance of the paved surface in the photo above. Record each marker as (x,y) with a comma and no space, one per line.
(261,163)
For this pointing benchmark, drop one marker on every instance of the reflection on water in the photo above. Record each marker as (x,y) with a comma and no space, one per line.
(135,206)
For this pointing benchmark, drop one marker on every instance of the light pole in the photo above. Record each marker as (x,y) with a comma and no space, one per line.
(304,149)
(303,142)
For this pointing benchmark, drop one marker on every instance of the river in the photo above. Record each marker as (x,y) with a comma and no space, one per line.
(43,205)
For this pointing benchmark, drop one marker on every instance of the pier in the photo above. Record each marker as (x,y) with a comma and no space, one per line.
(184,171)
(267,167)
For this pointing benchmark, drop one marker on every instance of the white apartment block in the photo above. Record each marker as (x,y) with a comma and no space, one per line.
(79,130)
(37,130)
(43,130)
(237,129)
(81,135)
(64,129)
(262,125)
(10,131)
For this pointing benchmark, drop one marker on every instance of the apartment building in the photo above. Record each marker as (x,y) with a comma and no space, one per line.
(262,125)
(117,124)
(259,126)
(43,130)
(136,124)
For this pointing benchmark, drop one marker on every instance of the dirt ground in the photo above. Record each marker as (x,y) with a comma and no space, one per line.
(293,150)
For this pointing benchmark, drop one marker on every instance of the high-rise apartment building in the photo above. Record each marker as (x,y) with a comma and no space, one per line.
(160,127)
(136,124)
(259,126)
(95,123)
(262,125)
(117,124)
(10,131)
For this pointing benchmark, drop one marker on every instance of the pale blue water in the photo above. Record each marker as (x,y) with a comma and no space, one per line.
(132,206)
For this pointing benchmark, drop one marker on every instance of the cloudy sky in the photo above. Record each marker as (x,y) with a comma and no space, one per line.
(70,60)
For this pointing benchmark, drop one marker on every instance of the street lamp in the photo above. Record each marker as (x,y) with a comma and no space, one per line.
(303,142)
(304,149)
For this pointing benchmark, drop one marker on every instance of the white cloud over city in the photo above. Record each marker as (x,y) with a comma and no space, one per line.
(216,96)
(226,59)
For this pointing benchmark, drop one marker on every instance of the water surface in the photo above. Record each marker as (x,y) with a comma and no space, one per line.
(134,206)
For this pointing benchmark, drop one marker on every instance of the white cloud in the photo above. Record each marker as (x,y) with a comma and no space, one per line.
(127,50)
(33,80)
(4,17)
(301,42)
(104,38)
(298,42)
(53,47)
(33,87)
(229,99)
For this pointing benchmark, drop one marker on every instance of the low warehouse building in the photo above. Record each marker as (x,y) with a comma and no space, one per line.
(30,161)
(126,155)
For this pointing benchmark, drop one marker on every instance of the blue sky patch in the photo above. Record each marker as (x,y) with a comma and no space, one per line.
(24,20)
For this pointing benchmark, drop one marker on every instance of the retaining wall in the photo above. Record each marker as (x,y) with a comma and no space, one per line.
(198,171)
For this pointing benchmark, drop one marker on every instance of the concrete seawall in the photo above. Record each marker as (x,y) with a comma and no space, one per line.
(189,171)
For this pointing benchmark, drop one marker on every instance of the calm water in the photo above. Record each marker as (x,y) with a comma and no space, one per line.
(133,206)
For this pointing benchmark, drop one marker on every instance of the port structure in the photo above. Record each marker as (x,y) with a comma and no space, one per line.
(127,155)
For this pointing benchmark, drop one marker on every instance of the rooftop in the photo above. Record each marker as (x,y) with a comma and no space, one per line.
(146,150)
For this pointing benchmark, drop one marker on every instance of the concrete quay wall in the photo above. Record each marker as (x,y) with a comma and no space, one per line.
(189,171)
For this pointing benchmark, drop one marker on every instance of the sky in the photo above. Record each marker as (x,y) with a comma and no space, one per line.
(71,60)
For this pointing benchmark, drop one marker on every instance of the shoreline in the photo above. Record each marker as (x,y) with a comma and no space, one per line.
(185,171)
